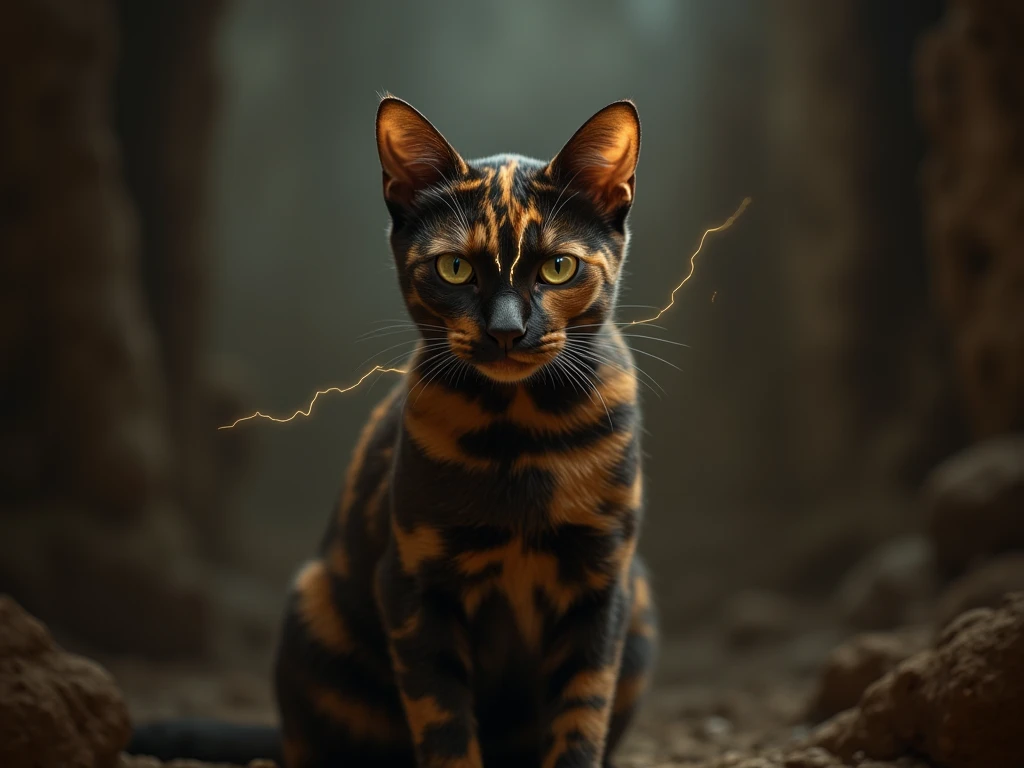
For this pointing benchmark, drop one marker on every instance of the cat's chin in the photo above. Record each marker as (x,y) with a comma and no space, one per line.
(507,371)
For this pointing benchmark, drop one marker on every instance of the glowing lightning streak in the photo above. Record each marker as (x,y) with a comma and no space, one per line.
(309,408)
(672,300)
(721,227)
(519,252)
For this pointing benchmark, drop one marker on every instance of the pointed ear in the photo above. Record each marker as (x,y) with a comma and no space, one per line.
(413,153)
(600,159)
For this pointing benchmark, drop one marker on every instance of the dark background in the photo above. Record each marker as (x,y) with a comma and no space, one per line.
(193,229)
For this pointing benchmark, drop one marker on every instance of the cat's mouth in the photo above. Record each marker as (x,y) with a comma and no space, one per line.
(509,369)
(519,364)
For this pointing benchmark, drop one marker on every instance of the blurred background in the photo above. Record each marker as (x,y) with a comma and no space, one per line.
(192,229)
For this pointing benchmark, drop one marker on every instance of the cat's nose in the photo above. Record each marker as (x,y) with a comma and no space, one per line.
(506,325)
(506,339)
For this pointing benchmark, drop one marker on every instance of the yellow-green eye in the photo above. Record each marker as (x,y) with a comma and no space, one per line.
(454,269)
(558,270)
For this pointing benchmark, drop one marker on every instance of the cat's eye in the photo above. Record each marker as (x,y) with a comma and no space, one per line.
(454,269)
(558,270)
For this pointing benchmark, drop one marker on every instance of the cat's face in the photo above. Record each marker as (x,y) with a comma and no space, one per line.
(505,256)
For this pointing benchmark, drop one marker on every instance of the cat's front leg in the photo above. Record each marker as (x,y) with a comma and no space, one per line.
(583,668)
(431,668)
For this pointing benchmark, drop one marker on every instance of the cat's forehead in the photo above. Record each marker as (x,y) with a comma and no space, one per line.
(508,184)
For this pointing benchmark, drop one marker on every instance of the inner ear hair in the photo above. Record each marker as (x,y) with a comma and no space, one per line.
(601,157)
(413,153)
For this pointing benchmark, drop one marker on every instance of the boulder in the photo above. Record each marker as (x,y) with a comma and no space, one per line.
(852,667)
(57,710)
(974,504)
(959,704)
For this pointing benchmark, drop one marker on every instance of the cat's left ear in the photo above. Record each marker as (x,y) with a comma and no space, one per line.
(413,153)
(600,159)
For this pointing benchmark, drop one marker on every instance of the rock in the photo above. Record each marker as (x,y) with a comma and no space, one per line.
(974,503)
(57,710)
(984,587)
(131,761)
(800,757)
(970,77)
(889,586)
(755,617)
(856,664)
(960,704)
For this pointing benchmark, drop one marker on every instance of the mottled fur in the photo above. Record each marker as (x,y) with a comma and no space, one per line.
(477,598)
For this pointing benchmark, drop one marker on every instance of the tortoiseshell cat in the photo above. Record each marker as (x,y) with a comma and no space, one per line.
(477,599)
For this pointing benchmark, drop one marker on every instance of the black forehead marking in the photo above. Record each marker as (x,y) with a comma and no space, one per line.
(522,188)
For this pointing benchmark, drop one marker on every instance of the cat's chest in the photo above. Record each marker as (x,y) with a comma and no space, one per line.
(524,580)
(504,472)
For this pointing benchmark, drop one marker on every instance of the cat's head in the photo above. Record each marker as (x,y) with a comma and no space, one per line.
(508,254)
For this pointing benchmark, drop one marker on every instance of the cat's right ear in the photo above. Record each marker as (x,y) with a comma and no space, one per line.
(413,153)
(600,159)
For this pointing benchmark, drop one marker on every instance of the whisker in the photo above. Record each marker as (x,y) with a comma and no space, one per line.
(560,363)
(656,389)
(437,372)
(654,338)
(606,345)
(404,320)
(612,324)
(596,391)
(632,364)
(403,326)
(425,333)
(575,370)
(434,344)
(450,377)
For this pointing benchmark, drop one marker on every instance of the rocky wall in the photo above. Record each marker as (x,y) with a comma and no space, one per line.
(90,537)
(970,79)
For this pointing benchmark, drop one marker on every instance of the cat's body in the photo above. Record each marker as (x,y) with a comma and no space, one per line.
(477,599)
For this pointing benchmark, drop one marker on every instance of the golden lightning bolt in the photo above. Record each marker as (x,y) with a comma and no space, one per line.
(720,228)
(309,408)
(378,368)
(519,252)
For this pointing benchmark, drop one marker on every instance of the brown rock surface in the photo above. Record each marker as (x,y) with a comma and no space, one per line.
(131,761)
(974,502)
(801,757)
(57,710)
(984,587)
(960,704)
(970,79)
(859,662)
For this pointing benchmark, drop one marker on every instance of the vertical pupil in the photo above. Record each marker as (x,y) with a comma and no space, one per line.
(456,263)
(558,265)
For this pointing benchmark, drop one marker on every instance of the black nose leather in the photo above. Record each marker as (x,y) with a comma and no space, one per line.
(506,339)
(505,324)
